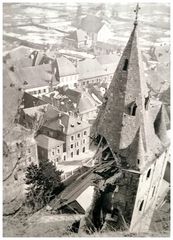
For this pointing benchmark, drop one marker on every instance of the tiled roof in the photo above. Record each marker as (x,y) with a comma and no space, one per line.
(90,68)
(108,59)
(91,24)
(70,123)
(87,103)
(19,53)
(31,101)
(109,62)
(36,76)
(65,67)
(39,110)
(47,142)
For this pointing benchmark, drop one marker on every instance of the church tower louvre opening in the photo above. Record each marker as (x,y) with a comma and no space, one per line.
(132,150)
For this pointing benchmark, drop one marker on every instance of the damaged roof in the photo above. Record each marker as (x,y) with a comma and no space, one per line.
(129,112)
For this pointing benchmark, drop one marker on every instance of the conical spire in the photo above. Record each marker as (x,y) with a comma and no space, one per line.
(120,115)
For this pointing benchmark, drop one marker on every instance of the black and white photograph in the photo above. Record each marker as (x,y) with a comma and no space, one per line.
(86,119)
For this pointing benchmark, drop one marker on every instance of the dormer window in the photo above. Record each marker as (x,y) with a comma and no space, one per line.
(132,109)
(78,123)
(126,62)
(72,125)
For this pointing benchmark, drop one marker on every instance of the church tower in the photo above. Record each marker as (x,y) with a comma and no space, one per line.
(130,131)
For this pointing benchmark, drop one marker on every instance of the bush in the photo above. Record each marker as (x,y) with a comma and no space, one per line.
(42,182)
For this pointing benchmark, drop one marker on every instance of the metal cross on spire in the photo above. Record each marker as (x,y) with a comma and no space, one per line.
(136,11)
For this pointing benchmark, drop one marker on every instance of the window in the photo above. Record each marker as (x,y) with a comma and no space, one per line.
(84,141)
(72,138)
(64,158)
(83,150)
(35,92)
(85,133)
(29,159)
(141,205)
(148,173)
(78,135)
(126,62)
(138,161)
(83,83)
(39,91)
(29,150)
(77,144)
(44,90)
(77,152)
(53,153)
(133,108)
(57,150)
(71,145)
(71,154)
(146,103)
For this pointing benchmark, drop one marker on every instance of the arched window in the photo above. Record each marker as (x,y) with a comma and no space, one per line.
(141,205)
(126,62)
(148,173)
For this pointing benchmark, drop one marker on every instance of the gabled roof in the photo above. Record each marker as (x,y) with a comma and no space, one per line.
(87,103)
(91,24)
(35,76)
(31,101)
(39,110)
(18,53)
(89,68)
(65,67)
(109,62)
(60,121)
(47,142)
(79,35)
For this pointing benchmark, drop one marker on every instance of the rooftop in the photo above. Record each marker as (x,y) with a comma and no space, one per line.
(47,142)
(35,76)
(91,24)
(66,123)
(89,68)
(79,35)
(65,67)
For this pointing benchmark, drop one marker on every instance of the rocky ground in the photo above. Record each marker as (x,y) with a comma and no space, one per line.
(44,224)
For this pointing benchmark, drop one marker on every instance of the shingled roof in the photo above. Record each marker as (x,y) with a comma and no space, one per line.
(127,108)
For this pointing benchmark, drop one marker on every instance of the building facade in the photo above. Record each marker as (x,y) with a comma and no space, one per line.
(50,149)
